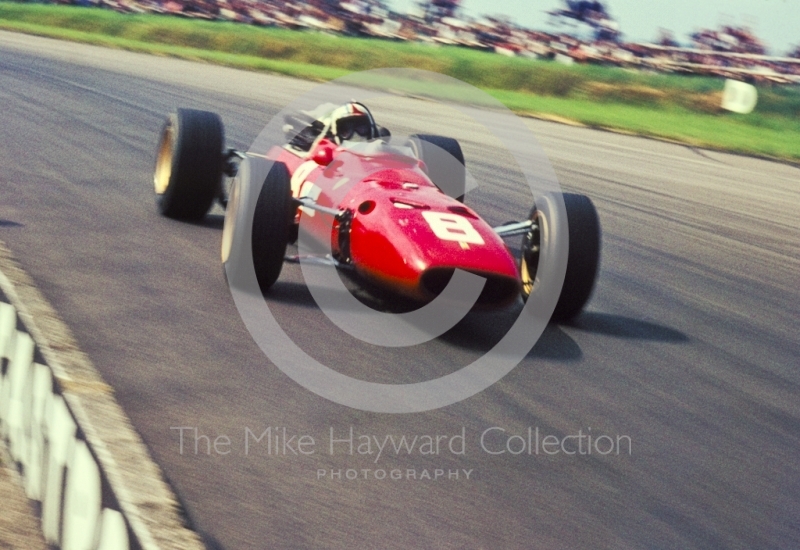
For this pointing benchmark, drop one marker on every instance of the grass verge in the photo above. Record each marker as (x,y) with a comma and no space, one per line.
(679,108)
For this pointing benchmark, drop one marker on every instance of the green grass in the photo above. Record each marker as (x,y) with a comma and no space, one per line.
(680,108)
(749,134)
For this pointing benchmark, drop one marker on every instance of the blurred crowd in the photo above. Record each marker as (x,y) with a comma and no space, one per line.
(728,39)
(756,68)
(733,52)
(728,51)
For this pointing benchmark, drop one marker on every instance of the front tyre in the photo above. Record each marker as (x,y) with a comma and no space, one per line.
(270,227)
(188,169)
(583,257)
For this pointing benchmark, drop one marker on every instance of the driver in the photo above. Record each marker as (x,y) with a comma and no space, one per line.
(336,123)
(352,122)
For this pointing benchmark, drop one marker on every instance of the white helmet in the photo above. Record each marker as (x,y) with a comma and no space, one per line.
(352,122)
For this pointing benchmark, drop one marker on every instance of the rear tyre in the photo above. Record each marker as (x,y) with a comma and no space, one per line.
(583,258)
(445,162)
(188,170)
(271,225)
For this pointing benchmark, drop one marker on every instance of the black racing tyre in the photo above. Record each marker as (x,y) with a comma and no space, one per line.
(583,257)
(188,170)
(445,162)
(271,225)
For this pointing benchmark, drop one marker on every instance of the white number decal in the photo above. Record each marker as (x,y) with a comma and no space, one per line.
(302,188)
(452,227)
(300,175)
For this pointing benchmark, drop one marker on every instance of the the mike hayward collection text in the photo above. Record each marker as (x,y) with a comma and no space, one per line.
(282,441)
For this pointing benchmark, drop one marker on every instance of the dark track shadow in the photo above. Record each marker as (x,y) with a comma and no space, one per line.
(298,294)
(288,292)
(368,294)
(9,223)
(212,221)
(625,327)
(479,330)
(482,330)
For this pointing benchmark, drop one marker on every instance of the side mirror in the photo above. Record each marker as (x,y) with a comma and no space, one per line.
(323,156)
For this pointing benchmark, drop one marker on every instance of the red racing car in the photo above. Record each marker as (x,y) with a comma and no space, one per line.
(392,214)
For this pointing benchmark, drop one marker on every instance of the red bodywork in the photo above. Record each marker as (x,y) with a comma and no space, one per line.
(405,234)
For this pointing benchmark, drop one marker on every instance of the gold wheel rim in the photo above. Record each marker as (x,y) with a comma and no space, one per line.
(528,281)
(163,170)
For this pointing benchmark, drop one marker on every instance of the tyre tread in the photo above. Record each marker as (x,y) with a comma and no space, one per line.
(196,175)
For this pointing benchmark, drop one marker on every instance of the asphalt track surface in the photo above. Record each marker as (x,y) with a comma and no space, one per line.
(689,346)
